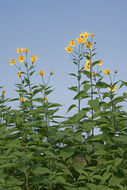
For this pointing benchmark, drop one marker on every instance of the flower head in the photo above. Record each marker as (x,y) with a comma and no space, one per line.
(86,35)
(51,73)
(92,35)
(42,73)
(93,73)
(107,71)
(3,92)
(87,66)
(88,61)
(72,43)
(12,61)
(69,49)
(82,35)
(26,50)
(34,58)
(112,89)
(19,50)
(46,99)
(116,71)
(19,74)
(30,92)
(22,100)
(80,40)
(21,58)
(100,62)
(88,45)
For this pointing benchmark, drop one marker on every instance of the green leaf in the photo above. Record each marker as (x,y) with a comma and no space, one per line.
(66,153)
(71,107)
(123,83)
(102,85)
(99,152)
(41,170)
(79,166)
(94,104)
(87,73)
(86,87)
(115,181)
(79,95)
(117,161)
(72,74)
(73,88)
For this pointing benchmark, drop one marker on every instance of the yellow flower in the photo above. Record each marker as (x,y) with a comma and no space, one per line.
(51,73)
(100,62)
(69,49)
(107,71)
(116,71)
(26,50)
(22,99)
(72,43)
(112,89)
(30,92)
(88,55)
(19,50)
(82,35)
(12,61)
(80,40)
(86,35)
(3,92)
(21,58)
(88,45)
(88,61)
(42,73)
(87,67)
(46,98)
(92,35)
(93,73)
(19,74)
(34,58)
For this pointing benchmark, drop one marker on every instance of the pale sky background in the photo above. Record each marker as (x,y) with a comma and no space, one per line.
(46,26)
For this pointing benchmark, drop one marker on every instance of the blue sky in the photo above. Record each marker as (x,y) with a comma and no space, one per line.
(46,26)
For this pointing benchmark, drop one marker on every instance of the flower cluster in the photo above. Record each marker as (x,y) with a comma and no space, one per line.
(83,40)
(22,57)
(85,48)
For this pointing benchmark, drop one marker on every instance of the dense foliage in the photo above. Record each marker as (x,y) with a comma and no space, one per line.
(39,152)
